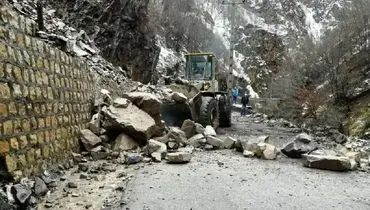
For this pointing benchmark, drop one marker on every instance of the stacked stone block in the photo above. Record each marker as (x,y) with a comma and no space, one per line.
(45,98)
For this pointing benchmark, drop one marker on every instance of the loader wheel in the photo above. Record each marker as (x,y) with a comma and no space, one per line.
(225,111)
(209,113)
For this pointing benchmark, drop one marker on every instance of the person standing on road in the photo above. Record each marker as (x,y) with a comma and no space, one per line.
(245,101)
(235,94)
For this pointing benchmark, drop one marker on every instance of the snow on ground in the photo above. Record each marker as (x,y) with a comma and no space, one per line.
(167,58)
(221,24)
(314,28)
(251,18)
(252,93)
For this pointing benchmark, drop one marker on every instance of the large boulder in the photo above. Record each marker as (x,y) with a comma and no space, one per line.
(252,144)
(197,140)
(199,128)
(176,135)
(130,120)
(89,139)
(124,142)
(229,143)
(40,187)
(189,127)
(209,131)
(147,102)
(270,152)
(154,146)
(301,145)
(327,162)
(21,192)
(179,157)
(215,142)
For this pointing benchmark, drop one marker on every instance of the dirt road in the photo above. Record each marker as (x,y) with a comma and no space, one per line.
(226,180)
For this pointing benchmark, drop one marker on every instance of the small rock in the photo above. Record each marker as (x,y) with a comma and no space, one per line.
(155,146)
(21,192)
(94,124)
(89,139)
(248,154)
(215,142)
(339,137)
(176,135)
(199,128)
(197,140)
(77,157)
(229,143)
(252,144)
(147,160)
(40,187)
(115,154)
(100,155)
(48,205)
(179,157)
(71,185)
(173,145)
(83,167)
(188,149)
(61,167)
(133,158)
(304,138)
(157,157)
(239,145)
(209,131)
(47,179)
(75,195)
(208,147)
(83,176)
(189,128)
(270,152)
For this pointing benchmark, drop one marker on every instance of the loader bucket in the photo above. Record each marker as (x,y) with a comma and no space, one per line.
(175,114)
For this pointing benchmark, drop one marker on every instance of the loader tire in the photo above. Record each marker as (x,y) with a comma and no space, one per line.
(225,111)
(209,112)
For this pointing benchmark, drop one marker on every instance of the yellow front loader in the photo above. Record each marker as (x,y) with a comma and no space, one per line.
(206,103)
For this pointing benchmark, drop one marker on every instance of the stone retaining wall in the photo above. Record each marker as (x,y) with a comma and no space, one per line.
(45,98)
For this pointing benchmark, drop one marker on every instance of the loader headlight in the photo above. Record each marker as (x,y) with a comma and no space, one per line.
(206,85)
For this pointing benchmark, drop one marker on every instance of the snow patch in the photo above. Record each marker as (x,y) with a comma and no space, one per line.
(252,93)
(314,28)
(167,58)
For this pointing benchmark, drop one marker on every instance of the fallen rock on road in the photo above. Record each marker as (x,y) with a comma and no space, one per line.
(179,157)
(327,162)
(301,145)
(131,120)
(89,139)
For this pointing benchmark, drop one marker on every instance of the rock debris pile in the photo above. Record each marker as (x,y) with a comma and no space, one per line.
(72,41)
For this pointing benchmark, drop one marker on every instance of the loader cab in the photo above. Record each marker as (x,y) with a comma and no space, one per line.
(201,70)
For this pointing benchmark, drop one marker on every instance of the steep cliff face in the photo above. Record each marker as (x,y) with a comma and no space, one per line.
(120,28)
